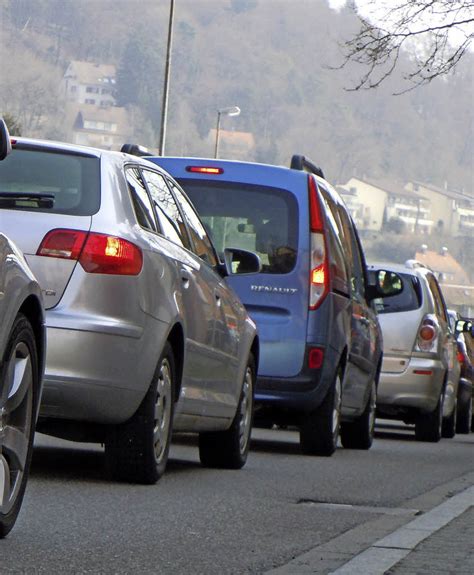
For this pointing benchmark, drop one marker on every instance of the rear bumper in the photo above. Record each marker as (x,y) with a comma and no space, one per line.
(302,393)
(98,371)
(418,386)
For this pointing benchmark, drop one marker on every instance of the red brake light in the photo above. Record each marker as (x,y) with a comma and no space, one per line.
(97,253)
(316,220)
(427,332)
(461,357)
(315,358)
(66,244)
(204,170)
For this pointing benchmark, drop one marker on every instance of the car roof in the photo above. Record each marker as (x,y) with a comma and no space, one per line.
(38,144)
(407,268)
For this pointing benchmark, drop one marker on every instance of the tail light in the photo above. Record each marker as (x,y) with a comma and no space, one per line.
(427,338)
(461,357)
(315,357)
(319,278)
(97,253)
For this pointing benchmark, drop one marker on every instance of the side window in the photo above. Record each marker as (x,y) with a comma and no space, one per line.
(354,253)
(169,216)
(140,199)
(440,307)
(337,257)
(202,244)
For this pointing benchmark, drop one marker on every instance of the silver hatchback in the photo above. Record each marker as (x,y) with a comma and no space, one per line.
(144,334)
(420,374)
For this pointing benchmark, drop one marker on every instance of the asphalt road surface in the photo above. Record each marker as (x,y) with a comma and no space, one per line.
(281,506)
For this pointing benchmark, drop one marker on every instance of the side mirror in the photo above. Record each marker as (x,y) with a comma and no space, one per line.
(464,326)
(239,261)
(5,143)
(383,283)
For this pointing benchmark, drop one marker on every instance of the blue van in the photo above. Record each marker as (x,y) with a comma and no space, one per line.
(321,345)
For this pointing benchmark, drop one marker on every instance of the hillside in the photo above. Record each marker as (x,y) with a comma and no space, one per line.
(272,58)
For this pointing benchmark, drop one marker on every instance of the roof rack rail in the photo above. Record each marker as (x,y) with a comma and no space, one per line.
(299,162)
(135,150)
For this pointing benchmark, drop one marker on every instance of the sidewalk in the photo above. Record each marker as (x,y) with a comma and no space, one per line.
(450,550)
(441,541)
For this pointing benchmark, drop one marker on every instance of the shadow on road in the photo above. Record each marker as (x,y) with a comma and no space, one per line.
(83,465)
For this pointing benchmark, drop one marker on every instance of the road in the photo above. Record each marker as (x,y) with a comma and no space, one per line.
(281,506)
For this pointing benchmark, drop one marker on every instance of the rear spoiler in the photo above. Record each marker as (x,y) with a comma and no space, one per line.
(301,163)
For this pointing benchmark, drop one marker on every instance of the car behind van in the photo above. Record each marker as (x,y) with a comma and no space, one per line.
(321,346)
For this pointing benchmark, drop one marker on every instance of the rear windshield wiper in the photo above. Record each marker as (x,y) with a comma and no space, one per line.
(26,200)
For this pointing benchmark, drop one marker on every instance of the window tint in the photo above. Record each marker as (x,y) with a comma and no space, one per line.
(335,240)
(407,300)
(73,180)
(202,244)
(169,216)
(141,201)
(251,217)
(440,307)
(353,250)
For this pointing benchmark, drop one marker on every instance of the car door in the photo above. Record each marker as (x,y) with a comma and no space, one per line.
(448,342)
(223,387)
(194,297)
(365,345)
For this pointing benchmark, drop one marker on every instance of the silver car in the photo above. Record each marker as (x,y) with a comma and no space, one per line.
(22,346)
(144,334)
(420,374)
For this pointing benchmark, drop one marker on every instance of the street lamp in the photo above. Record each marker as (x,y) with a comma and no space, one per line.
(231,111)
(164,106)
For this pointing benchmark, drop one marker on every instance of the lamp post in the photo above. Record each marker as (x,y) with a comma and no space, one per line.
(164,106)
(231,111)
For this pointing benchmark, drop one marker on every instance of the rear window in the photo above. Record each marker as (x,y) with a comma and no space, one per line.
(256,218)
(72,180)
(408,299)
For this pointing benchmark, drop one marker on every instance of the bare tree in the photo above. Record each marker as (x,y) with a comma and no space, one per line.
(437,34)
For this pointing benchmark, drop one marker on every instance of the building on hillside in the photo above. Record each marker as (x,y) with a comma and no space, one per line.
(90,83)
(452,211)
(233,145)
(106,128)
(454,280)
(366,201)
(375,204)
(93,119)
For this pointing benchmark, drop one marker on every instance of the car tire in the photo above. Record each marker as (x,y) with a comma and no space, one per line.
(229,449)
(137,451)
(320,429)
(464,416)
(359,434)
(19,385)
(448,429)
(428,426)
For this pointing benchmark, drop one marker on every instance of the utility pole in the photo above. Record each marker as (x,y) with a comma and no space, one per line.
(164,106)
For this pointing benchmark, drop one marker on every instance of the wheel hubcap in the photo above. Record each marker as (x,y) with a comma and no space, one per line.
(162,410)
(16,413)
(246,411)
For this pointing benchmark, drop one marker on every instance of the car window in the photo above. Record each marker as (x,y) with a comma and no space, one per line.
(169,216)
(440,307)
(73,180)
(353,249)
(338,257)
(409,299)
(258,218)
(202,243)
(140,199)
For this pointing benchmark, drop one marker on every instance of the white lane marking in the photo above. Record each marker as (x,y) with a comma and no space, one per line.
(388,551)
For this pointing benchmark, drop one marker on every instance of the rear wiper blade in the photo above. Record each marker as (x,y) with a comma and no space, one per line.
(26,199)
